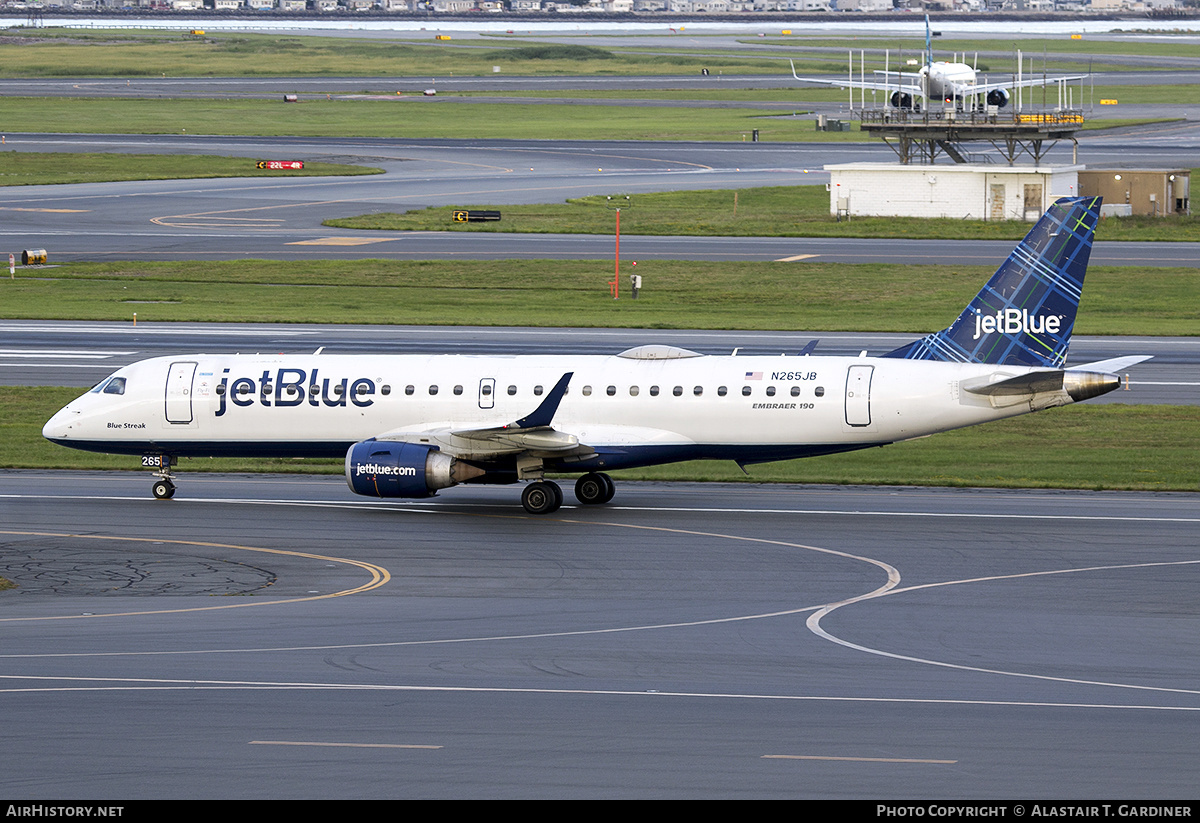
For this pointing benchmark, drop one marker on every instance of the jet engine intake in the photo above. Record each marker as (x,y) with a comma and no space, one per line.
(998,98)
(391,469)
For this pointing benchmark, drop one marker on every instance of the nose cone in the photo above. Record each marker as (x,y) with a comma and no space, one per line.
(58,427)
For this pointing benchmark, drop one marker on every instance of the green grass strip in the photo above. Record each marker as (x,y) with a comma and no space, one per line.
(776,211)
(675,294)
(400,117)
(40,168)
(1091,447)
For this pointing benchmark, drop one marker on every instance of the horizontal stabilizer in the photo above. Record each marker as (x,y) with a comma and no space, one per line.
(1032,383)
(1113,365)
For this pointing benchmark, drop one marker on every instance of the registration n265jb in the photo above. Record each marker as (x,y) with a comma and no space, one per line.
(410,425)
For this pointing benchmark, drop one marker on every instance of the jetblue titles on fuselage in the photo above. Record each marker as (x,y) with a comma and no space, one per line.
(293,387)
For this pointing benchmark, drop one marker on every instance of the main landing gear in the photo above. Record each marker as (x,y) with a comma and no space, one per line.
(544,497)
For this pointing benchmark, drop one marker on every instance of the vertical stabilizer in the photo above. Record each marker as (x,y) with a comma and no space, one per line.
(1025,313)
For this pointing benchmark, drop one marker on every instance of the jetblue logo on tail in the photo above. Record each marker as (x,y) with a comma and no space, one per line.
(1025,313)
(1015,321)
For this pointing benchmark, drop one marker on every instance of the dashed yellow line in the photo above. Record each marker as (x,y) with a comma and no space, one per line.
(340,241)
(47,211)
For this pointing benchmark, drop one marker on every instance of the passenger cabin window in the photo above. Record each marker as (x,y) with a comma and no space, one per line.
(820,391)
(407,390)
(385,389)
(458,389)
(770,391)
(512,390)
(745,391)
(537,391)
(699,390)
(611,391)
(633,391)
(433,390)
(587,391)
(795,391)
(654,391)
(722,391)
(677,391)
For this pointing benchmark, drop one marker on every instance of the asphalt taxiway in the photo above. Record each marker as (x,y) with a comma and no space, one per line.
(276,637)
(281,218)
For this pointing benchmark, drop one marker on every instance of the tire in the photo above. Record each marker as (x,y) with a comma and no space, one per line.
(163,490)
(541,497)
(591,489)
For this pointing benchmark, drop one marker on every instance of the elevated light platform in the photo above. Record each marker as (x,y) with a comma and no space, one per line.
(921,136)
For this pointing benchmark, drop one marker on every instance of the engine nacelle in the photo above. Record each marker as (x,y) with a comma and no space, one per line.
(998,98)
(378,468)
(902,100)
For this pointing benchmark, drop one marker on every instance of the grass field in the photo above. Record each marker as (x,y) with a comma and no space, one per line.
(1094,447)
(50,52)
(398,117)
(61,52)
(779,211)
(676,294)
(34,168)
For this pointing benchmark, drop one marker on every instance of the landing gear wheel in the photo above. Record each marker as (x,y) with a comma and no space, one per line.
(594,488)
(541,497)
(163,489)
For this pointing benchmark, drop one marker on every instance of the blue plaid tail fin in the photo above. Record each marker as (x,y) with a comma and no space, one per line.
(1025,313)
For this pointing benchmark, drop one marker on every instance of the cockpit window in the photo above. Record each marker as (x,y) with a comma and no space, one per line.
(109,385)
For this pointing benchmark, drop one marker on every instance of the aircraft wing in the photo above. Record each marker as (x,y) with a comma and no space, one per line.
(906,83)
(533,434)
(984,88)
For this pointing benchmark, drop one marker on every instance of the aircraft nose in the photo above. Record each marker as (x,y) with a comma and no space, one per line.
(59,426)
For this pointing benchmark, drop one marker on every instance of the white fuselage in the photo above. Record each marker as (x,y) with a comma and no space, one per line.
(948,81)
(638,411)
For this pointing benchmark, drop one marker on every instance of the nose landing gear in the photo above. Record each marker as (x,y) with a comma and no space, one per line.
(164,487)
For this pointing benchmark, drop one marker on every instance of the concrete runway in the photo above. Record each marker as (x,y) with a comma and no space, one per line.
(273,637)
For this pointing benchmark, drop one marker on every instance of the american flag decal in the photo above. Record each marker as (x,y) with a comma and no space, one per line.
(754,375)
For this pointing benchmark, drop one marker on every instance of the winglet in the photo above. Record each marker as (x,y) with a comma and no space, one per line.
(810,348)
(543,414)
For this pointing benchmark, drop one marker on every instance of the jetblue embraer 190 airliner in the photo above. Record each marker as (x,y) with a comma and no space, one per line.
(409,425)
